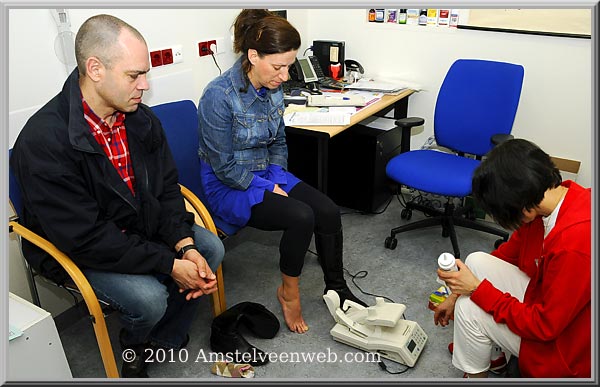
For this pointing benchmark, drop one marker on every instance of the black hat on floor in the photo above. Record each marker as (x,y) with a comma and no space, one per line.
(226,339)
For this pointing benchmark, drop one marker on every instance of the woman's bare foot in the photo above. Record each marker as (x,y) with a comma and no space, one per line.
(288,295)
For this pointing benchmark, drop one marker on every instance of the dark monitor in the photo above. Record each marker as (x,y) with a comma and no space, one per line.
(280,12)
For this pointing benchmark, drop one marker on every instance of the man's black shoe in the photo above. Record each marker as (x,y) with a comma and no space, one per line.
(134,359)
(135,368)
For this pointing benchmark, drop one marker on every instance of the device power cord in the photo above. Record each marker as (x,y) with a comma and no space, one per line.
(359,274)
(383,366)
(215,60)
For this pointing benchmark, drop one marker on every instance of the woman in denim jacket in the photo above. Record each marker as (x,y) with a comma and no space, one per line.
(244,159)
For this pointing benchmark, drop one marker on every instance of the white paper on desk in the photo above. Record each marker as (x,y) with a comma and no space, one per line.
(343,109)
(381,123)
(316,118)
(383,86)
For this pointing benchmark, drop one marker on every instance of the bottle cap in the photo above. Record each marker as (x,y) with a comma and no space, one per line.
(446,261)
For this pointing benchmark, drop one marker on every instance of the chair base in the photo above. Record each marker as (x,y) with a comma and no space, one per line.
(448,219)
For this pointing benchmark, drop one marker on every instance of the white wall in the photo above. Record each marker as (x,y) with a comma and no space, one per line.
(555,109)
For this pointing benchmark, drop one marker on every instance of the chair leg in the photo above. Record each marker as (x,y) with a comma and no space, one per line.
(218,298)
(436,221)
(467,223)
(448,219)
(35,296)
(452,234)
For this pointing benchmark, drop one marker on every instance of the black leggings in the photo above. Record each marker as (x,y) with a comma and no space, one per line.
(304,211)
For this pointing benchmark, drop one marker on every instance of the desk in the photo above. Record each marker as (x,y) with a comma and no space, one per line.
(314,168)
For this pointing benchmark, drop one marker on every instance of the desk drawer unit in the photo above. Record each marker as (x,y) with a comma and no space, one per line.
(357,160)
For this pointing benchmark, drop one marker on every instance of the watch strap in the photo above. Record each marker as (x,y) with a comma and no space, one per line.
(184,249)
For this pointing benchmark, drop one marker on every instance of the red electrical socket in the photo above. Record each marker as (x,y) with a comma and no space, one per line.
(156,58)
(203,49)
(209,43)
(167,56)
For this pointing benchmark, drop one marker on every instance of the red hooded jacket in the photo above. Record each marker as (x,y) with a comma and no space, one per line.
(554,319)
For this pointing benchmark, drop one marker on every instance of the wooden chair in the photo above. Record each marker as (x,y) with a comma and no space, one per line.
(80,282)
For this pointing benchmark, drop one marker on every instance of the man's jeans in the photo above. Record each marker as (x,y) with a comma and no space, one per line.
(152,309)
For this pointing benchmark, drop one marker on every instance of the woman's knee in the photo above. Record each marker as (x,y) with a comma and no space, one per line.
(303,216)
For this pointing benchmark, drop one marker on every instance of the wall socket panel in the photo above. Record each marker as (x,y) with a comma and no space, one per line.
(166,56)
(204,46)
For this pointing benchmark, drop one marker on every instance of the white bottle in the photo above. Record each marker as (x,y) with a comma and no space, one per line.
(447,262)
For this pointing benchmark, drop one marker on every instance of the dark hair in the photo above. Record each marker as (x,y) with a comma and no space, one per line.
(514,176)
(98,36)
(263,31)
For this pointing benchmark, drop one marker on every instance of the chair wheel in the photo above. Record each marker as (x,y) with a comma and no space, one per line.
(391,243)
(404,213)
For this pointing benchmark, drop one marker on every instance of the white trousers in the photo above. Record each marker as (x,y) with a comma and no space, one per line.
(475,331)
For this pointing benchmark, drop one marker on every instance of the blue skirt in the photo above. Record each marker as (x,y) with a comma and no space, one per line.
(234,205)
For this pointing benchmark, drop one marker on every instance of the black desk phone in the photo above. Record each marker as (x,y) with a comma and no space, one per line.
(307,75)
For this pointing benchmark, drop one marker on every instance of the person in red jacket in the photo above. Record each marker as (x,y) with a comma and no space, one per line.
(532,295)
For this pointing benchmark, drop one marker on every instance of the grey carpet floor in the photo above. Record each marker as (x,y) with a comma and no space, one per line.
(405,275)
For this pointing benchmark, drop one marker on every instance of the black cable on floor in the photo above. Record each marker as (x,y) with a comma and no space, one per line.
(359,274)
(384,367)
(363,274)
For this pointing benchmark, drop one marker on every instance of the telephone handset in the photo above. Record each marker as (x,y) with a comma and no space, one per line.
(352,65)
(354,70)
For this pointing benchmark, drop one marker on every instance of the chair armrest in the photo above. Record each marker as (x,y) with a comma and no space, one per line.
(218,298)
(409,122)
(200,209)
(498,139)
(85,289)
(406,124)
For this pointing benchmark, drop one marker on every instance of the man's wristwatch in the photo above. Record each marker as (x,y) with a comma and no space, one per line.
(184,249)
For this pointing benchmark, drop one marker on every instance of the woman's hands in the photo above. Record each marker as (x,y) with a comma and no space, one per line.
(277,189)
(462,281)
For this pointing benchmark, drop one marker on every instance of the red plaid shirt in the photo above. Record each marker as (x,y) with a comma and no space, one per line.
(113,141)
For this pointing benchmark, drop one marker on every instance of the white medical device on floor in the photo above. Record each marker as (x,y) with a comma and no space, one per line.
(379,328)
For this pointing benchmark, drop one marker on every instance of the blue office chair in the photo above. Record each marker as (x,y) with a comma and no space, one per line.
(475,108)
(180,122)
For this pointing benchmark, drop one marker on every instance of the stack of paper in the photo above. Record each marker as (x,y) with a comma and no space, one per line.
(316,118)
(380,86)
(335,100)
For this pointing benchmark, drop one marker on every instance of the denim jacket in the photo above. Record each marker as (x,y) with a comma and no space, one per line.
(240,132)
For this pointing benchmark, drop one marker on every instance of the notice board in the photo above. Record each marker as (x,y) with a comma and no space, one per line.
(560,22)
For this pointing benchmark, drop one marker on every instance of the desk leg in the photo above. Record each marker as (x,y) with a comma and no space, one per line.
(323,164)
(401,111)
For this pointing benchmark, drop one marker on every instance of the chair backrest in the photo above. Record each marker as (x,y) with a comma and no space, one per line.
(14,191)
(478,98)
(180,122)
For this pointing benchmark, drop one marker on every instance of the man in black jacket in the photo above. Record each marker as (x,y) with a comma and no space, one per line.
(99,181)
